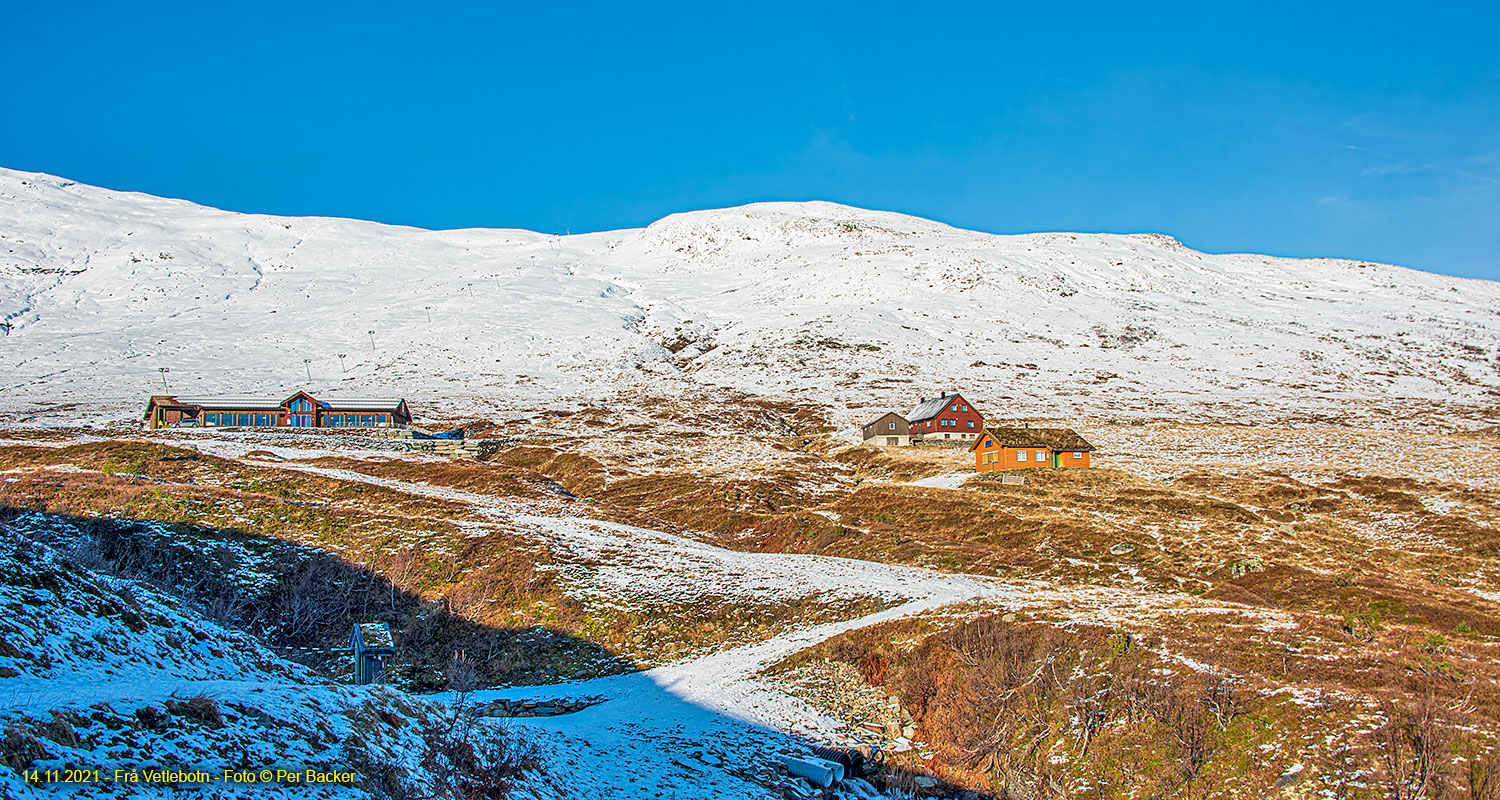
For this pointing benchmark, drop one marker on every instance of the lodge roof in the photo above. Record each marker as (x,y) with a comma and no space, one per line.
(1053,438)
(261,402)
(931,407)
(361,403)
(233,401)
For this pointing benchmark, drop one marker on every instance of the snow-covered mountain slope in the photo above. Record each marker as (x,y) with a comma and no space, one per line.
(855,309)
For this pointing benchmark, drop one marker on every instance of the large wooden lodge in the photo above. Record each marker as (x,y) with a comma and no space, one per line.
(950,417)
(301,410)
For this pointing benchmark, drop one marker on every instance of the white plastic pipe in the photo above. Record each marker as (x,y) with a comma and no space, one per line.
(816,770)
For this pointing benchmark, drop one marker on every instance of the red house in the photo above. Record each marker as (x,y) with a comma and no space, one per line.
(947,416)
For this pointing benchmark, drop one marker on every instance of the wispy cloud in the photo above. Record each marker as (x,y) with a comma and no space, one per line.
(1396,165)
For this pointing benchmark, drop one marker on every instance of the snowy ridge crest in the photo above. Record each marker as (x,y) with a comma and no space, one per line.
(849,308)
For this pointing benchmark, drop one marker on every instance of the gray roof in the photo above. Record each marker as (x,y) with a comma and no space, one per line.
(361,403)
(390,404)
(233,401)
(929,408)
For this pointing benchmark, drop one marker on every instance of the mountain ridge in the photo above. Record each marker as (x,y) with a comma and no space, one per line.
(851,308)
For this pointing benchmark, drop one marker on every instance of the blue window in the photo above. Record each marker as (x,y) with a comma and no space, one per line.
(367,420)
(262,420)
(210,419)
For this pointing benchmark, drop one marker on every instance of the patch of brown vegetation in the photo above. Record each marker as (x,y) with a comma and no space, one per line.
(1024,709)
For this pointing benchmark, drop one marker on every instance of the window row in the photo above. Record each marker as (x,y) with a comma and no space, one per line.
(224,419)
(353,420)
(245,420)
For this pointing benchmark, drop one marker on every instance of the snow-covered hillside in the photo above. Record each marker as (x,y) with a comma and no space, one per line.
(856,309)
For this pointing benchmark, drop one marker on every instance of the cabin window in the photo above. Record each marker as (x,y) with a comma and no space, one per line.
(953,407)
(989,442)
(210,419)
(1041,455)
(1020,455)
(893,426)
(971,423)
(1077,454)
(929,423)
(966,408)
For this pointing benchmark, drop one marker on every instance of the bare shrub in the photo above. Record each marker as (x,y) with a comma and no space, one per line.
(463,677)
(1482,774)
(466,770)
(200,708)
(1184,716)
(1223,700)
(1093,702)
(1412,744)
(152,720)
(60,730)
(20,750)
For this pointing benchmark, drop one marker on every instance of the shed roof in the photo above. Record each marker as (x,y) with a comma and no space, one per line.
(931,407)
(372,636)
(1054,438)
(882,418)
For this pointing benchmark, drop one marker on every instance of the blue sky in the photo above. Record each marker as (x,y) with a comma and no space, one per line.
(1363,130)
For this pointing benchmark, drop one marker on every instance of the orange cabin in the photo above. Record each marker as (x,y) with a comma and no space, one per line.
(998,448)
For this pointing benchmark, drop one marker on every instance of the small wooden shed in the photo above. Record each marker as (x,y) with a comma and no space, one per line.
(372,644)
